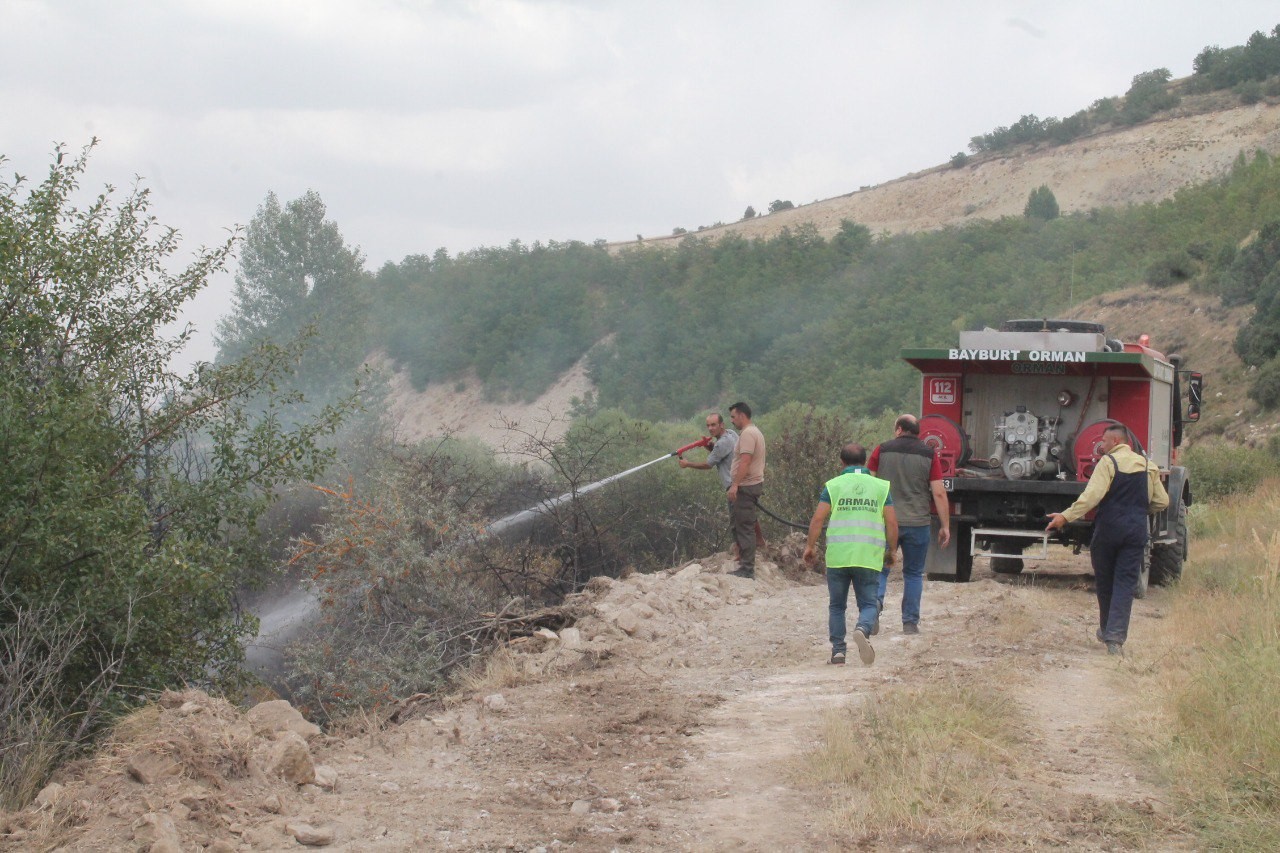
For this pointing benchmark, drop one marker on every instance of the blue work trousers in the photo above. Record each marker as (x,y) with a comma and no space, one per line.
(1116,553)
(865,582)
(914,542)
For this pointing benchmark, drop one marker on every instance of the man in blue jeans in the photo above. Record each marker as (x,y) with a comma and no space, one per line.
(914,476)
(862,535)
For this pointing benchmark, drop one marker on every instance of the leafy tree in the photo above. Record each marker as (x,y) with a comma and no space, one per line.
(1105,110)
(1148,94)
(959,160)
(1041,204)
(778,204)
(296,271)
(749,213)
(852,239)
(131,492)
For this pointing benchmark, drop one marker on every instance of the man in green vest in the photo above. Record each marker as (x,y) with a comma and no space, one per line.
(862,536)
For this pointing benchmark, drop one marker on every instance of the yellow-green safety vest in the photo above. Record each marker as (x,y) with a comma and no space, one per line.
(855,531)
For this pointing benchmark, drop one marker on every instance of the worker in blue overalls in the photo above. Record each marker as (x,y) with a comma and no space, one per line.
(1125,487)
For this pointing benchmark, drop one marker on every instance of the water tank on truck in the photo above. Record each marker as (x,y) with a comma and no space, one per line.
(1016,416)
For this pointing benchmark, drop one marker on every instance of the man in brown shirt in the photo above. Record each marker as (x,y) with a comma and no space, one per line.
(746,486)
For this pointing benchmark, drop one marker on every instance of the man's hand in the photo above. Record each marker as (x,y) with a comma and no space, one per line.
(733,493)
(890,557)
(810,555)
(1057,521)
(683,463)
(944,537)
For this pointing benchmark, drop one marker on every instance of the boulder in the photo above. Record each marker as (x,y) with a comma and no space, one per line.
(310,836)
(49,795)
(149,768)
(158,834)
(287,757)
(268,718)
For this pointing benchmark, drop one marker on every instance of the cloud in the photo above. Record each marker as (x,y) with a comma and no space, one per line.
(459,123)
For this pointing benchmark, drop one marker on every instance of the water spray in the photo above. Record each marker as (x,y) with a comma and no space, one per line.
(519,520)
(280,622)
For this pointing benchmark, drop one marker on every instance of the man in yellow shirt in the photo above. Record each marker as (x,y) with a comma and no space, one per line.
(1125,487)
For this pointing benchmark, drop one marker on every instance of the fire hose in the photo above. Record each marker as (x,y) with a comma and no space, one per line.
(707,441)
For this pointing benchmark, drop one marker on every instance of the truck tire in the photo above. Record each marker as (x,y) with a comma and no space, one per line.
(1005,565)
(1167,559)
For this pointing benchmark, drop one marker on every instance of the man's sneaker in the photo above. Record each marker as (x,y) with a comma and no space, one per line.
(837,658)
(865,651)
(1115,649)
(1098,634)
(749,574)
(910,628)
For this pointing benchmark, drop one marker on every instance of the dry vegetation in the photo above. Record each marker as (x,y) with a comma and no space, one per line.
(1218,664)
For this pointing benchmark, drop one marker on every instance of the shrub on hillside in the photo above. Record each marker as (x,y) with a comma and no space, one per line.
(1041,204)
(1171,270)
(1265,390)
(1220,469)
(1248,91)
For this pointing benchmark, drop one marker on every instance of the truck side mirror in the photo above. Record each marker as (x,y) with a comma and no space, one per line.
(1195,395)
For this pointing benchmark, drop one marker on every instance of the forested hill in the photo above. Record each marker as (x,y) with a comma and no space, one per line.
(801,317)
(1174,182)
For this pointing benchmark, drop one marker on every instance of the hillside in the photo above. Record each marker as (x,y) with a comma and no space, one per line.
(1144,163)
(1133,165)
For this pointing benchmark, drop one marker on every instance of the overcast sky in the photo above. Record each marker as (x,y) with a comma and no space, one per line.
(459,124)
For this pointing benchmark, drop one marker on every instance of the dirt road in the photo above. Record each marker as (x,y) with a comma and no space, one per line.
(674,717)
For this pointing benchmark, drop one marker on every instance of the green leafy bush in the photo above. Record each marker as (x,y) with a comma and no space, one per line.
(1041,204)
(1220,469)
(1171,270)
(131,493)
(1265,390)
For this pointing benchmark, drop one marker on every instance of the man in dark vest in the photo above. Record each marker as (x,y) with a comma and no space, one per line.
(915,476)
(862,534)
(1125,487)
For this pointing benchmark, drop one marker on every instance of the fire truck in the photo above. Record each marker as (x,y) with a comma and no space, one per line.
(1016,416)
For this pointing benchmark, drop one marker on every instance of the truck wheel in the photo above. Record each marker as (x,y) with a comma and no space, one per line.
(1167,559)
(1004,565)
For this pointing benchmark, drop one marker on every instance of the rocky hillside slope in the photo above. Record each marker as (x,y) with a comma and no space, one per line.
(1134,165)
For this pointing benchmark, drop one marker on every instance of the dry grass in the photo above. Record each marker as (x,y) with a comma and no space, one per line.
(500,669)
(1219,675)
(1017,621)
(927,763)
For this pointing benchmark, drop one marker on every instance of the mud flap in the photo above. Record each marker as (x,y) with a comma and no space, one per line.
(954,562)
